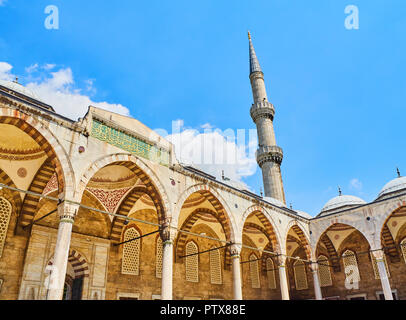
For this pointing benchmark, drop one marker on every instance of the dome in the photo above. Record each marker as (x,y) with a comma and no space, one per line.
(274,201)
(18,87)
(304,214)
(392,186)
(342,201)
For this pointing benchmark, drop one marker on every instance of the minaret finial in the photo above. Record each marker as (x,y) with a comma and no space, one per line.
(398,172)
(339,191)
(249,35)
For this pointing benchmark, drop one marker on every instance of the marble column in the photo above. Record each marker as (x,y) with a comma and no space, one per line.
(283,278)
(235,258)
(56,282)
(383,275)
(316,281)
(167,264)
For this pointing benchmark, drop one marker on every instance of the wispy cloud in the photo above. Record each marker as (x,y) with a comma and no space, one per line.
(2,2)
(355,184)
(59,90)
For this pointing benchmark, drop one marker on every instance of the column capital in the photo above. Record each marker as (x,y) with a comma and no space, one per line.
(67,211)
(281,261)
(235,249)
(314,266)
(167,233)
(378,254)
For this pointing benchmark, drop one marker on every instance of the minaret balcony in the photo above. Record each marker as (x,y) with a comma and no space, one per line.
(269,154)
(262,109)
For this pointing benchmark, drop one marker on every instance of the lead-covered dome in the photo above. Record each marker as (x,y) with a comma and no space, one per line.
(18,87)
(393,187)
(341,202)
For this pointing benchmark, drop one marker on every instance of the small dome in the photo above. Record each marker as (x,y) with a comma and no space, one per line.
(18,87)
(342,201)
(274,201)
(393,186)
(304,214)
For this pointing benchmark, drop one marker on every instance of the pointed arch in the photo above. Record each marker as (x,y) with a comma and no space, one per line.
(153,185)
(268,224)
(218,203)
(305,243)
(190,222)
(39,132)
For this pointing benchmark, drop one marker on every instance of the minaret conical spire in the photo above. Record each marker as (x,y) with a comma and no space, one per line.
(254,63)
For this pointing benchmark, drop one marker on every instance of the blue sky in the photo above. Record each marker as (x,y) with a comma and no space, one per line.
(339,94)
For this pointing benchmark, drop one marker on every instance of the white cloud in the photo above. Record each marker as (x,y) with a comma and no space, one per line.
(214,151)
(355,184)
(32,68)
(58,89)
(5,71)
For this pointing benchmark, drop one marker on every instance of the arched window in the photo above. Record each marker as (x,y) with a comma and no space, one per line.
(215,267)
(324,271)
(192,262)
(131,253)
(403,248)
(254,274)
(375,266)
(5,214)
(351,266)
(158,257)
(299,271)
(270,271)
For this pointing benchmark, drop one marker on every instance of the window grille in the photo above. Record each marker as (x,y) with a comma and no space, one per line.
(5,214)
(255,282)
(215,267)
(131,253)
(300,275)
(270,273)
(324,272)
(192,262)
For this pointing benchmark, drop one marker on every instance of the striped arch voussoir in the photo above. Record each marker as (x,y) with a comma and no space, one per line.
(303,240)
(78,262)
(5,179)
(123,210)
(21,121)
(30,204)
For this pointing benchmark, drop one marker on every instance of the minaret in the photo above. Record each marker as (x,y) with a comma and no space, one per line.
(269,155)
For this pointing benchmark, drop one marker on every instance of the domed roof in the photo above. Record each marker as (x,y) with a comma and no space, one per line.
(394,185)
(342,201)
(304,214)
(18,87)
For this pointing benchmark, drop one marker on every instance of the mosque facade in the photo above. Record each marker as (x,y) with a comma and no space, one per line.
(100,208)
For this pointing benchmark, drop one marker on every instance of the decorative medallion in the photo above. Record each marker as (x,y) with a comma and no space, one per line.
(22,172)
(336,237)
(394,223)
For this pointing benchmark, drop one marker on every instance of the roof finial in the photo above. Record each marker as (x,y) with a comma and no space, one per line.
(339,191)
(398,172)
(291,208)
(260,191)
(16,80)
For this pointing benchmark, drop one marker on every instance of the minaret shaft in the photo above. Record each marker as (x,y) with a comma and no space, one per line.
(269,155)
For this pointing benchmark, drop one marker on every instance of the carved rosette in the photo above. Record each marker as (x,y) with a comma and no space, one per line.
(269,154)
